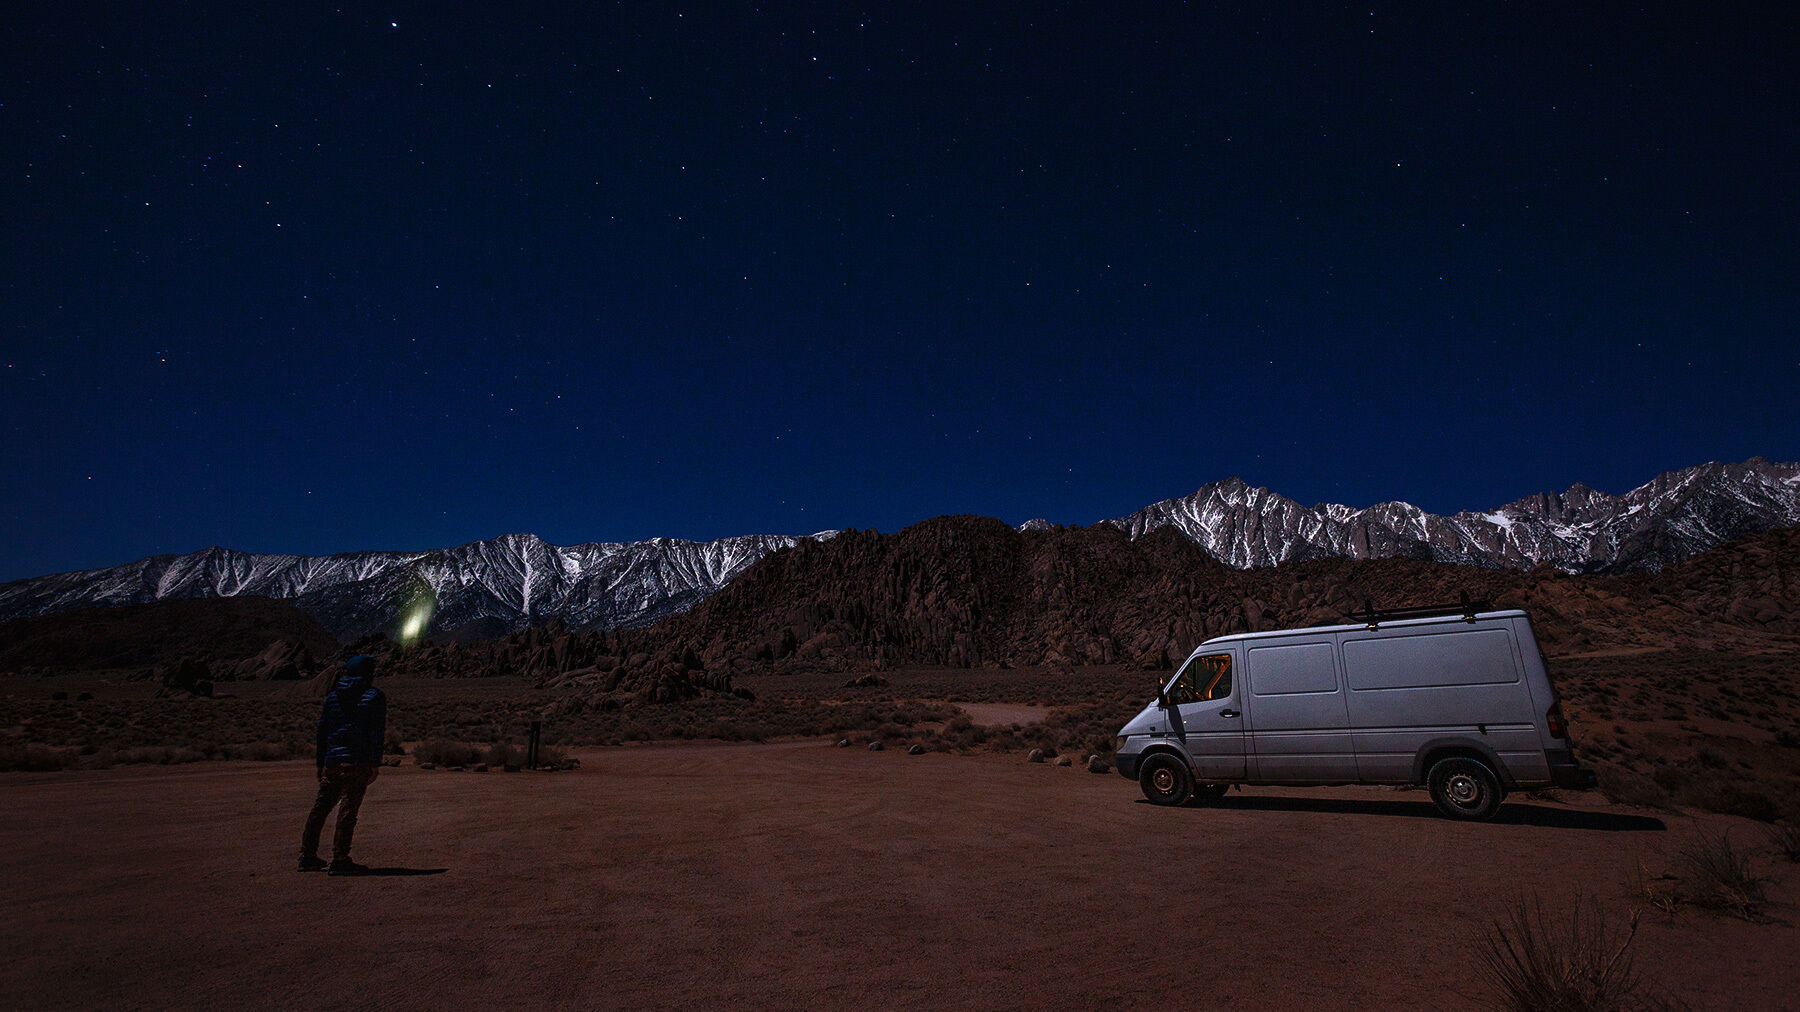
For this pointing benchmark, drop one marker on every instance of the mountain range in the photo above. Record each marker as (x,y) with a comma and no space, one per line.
(485,588)
(488,588)
(1674,516)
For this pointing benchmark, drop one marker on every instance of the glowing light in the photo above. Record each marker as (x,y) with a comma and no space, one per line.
(417,620)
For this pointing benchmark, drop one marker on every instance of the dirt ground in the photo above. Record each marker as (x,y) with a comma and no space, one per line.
(800,875)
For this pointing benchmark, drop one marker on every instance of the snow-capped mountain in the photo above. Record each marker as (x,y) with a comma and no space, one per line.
(509,583)
(1675,515)
(506,583)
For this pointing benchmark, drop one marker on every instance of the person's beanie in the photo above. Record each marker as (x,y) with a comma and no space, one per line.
(360,666)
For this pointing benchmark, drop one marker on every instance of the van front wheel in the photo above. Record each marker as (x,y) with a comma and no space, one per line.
(1165,779)
(1464,788)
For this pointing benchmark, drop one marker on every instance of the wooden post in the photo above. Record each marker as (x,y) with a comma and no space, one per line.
(531,750)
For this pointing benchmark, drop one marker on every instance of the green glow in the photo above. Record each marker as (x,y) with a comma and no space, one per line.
(416,621)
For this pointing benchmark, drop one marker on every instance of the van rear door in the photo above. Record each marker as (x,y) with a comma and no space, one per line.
(1411,687)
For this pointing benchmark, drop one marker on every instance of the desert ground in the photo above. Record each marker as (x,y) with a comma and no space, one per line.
(795,874)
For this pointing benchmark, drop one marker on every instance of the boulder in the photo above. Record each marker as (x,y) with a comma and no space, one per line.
(1063,760)
(916,749)
(875,746)
(843,743)
(1095,764)
(1036,755)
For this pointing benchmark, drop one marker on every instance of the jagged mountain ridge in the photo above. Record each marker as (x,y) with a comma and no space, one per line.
(507,583)
(490,588)
(1673,517)
(971,592)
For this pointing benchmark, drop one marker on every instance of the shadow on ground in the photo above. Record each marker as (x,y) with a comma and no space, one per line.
(397,872)
(1510,814)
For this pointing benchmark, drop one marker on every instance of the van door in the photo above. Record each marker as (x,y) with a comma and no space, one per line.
(1299,725)
(1206,715)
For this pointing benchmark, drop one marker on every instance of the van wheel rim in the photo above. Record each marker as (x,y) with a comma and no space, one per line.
(1163,780)
(1463,790)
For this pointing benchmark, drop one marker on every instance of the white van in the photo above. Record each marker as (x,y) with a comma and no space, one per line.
(1454,698)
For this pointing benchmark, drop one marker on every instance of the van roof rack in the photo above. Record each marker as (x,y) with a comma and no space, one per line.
(1465,608)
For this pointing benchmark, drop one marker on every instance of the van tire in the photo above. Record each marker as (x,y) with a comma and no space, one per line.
(1464,788)
(1165,780)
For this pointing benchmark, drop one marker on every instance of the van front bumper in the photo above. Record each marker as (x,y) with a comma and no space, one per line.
(1567,772)
(1127,765)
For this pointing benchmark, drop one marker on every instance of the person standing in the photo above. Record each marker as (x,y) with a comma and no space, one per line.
(352,726)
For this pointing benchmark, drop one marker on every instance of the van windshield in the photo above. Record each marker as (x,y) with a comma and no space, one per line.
(1205,677)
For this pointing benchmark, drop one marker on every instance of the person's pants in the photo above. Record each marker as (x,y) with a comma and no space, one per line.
(345,783)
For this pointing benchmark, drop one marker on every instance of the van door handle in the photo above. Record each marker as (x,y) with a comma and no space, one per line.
(1228,713)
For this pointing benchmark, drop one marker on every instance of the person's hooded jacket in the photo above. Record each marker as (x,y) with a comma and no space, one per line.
(353,722)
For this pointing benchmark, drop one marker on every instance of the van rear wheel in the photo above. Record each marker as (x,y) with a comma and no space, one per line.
(1165,780)
(1464,788)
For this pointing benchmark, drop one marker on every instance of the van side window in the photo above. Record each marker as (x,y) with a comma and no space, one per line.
(1205,677)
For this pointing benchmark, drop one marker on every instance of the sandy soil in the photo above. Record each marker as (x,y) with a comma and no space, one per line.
(799,875)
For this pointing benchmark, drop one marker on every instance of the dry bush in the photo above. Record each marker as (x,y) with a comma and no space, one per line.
(34,758)
(159,755)
(500,754)
(1660,892)
(263,751)
(1786,840)
(1721,877)
(446,753)
(1534,964)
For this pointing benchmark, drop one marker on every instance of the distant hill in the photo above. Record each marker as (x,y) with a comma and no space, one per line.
(970,591)
(221,631)
(967,591)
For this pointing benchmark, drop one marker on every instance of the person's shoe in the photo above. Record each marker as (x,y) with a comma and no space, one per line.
(312,864)
(345,866)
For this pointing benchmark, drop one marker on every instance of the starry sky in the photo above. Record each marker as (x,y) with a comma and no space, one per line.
(312,279)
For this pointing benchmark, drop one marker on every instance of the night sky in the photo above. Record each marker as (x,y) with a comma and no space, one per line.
(301,279)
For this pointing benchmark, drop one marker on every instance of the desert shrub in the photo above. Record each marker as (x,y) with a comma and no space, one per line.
(1659,892)
(392,745)
(1732,797)
(34,758)
(500,754)
(1625,788)
(1532,963)
(1786,840)
(446,753)
(261,751)
(158,755)
(1708,756)
(1720,877)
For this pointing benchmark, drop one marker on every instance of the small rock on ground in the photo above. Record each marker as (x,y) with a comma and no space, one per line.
(1095,764)
(874,746)
(916,750)
(1063,760)
(1036,756)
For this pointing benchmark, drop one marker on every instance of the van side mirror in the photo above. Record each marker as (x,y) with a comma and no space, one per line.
(1162,698)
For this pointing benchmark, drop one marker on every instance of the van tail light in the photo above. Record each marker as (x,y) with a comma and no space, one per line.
(1559,728)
